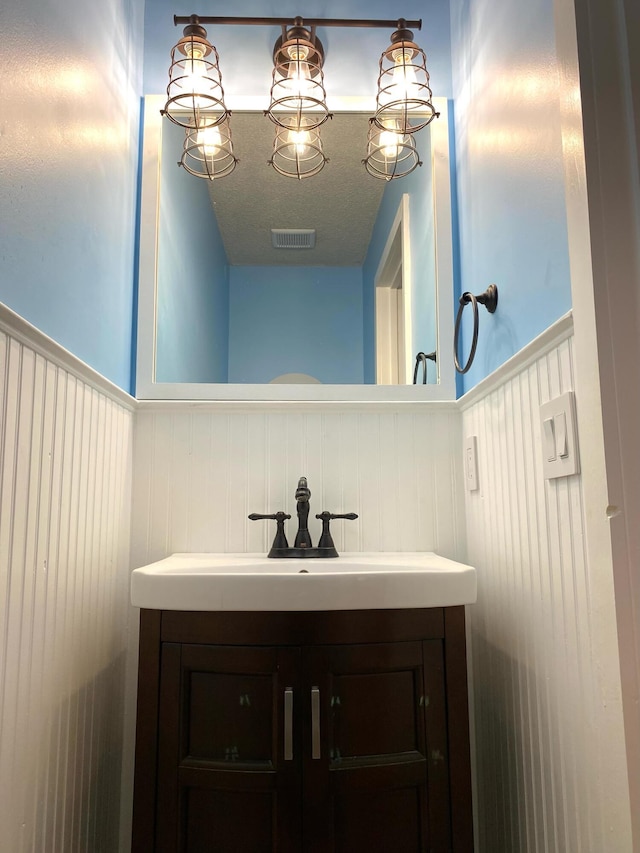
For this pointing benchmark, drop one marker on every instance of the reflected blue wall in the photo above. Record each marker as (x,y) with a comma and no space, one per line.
(268,339)
(418,185)
(193,276)
(510,179)
(71,86)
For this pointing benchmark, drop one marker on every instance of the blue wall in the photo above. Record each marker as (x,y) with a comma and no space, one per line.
(511,202)
(68,163)
(193,276)
(418,185)
(266,337)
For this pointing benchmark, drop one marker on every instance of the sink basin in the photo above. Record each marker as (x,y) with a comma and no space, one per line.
(357,581)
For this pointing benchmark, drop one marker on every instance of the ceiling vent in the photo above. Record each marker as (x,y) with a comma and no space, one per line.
(293,238)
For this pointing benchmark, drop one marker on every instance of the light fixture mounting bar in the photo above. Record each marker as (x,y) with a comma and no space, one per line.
(284,22)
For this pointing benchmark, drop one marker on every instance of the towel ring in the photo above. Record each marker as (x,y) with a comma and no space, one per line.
(490,301)
(421,359)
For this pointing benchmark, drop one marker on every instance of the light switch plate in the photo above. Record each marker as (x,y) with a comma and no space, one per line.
(559,436)
(471,463)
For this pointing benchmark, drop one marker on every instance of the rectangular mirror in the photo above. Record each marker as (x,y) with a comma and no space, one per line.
(223,315)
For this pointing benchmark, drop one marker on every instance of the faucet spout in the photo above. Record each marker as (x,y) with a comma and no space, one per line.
(303,493)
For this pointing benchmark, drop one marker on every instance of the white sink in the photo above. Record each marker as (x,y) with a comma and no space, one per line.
(357,581)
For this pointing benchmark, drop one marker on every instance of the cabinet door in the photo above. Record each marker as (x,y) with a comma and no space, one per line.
(377,780)
(229,766)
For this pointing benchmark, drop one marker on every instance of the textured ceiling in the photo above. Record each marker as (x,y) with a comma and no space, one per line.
(341,202)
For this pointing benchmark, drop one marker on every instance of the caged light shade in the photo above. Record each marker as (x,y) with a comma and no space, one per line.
(404,95)
(390,152)
(298,80)
(297,148)
(195,97)
(208,151)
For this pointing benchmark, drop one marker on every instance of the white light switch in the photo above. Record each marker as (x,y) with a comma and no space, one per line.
(559,437)
(471,463)
(560,423)
(549,440)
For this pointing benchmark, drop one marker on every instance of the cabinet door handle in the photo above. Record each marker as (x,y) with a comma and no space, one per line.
(288,724)
(315,722)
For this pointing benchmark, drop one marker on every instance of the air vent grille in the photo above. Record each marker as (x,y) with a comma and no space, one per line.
(293,238)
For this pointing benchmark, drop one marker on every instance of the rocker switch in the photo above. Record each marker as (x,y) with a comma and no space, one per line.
(560,424)
(549,439)
(559,437)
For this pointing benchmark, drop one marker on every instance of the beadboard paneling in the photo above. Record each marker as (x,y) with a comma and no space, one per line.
(549,748)
(65,473)
(200,470)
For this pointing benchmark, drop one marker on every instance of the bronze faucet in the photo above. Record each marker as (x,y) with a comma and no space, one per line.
(302,546)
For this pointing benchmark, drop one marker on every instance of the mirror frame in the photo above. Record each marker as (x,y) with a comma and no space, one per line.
(146,386)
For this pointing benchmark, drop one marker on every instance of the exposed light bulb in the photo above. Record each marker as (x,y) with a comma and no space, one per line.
(298,75)
(196,80)
(389,140)
(209,140)
(299,139)
(195,69)
(405,85)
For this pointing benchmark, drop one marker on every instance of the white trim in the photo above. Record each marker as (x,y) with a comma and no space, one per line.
(295,393)
(21,330)
(599,46)
(390,301)
(386,308)
(559,331)
(441,183)
(148,263)
(225,407)
(148,389)
(407,292)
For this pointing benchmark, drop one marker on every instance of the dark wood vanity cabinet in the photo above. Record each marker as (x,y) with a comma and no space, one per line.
(318,732)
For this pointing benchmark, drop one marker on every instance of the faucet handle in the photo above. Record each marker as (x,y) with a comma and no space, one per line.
(280,540)
(274,516)
(326,540)
(350,516)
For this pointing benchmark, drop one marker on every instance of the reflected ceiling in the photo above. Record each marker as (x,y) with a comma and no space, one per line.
(341,202)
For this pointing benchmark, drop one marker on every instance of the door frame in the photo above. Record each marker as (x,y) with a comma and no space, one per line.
(598,46)
(393,292)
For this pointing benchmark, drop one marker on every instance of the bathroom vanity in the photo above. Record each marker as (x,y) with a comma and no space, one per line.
(302,730)
(302,706)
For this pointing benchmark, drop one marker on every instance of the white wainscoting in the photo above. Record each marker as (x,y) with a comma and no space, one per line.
(545,683)
(200,469)
(65,473)
(550,765)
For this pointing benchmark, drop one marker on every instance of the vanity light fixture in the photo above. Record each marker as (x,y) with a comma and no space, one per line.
(404,95)
(195,99)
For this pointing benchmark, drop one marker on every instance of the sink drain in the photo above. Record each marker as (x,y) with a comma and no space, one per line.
(303,572)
